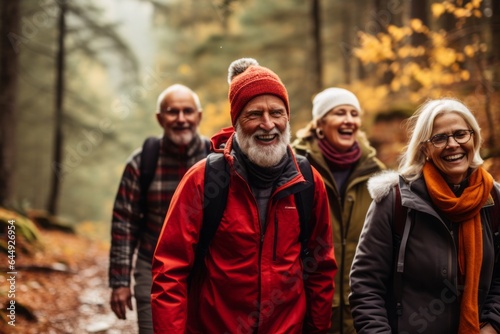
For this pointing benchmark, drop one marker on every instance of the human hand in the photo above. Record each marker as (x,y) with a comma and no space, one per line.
(488,329)
(121,298)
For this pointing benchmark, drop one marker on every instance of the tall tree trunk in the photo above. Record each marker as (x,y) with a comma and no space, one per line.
(58,134)
(487,26)
(9,60)
(418,10)
(495,46)
(318,46)
(346,37)
(383,18)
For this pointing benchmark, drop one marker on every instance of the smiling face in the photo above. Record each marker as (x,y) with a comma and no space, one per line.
(453,159)
(263,131)
(179,116)
(340,126)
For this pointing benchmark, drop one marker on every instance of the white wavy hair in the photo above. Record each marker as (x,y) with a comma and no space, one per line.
(420,127)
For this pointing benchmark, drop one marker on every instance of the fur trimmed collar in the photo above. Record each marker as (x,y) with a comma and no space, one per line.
(380,184)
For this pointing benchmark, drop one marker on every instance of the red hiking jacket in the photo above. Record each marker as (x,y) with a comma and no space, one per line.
(255,280)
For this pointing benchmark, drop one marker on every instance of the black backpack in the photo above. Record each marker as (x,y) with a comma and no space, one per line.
(149,159)
(215,196)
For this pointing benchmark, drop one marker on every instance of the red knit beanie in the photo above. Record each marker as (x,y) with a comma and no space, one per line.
(247,80)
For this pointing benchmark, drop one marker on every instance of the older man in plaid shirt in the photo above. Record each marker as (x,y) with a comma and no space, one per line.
(179,114)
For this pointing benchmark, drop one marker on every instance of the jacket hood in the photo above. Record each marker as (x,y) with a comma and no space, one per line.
(381,184)
(219,140)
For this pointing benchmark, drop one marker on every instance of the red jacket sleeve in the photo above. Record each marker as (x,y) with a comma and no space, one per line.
(174,254)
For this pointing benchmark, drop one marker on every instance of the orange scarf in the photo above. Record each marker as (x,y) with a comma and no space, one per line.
(464,210)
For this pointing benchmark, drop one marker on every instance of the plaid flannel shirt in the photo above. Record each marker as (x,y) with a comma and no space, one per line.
(127,232)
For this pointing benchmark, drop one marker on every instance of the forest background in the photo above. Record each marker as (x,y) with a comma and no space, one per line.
(78,87)
(79,79)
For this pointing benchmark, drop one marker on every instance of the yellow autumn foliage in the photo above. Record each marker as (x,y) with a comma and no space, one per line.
(469,9)
(394,67)
(418,26)
(367,52)
(373,49)
(465,75)
(386,47)
(424,78)
(418,51)
(215,117)
(397,33)
(447,79)
(404,51)
(411,68)
(437,9)
(445,56)
(438,38)
(395,85)
(405,80)
(476,3)
(461,13)
(449,7)
(421,70)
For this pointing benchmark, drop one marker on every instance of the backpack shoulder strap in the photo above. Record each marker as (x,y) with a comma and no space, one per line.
(401,229)
(494,220)
(399,217)
(214,197)
(304,201)
(208,147)
(149,159)
(495,211)
(216,189)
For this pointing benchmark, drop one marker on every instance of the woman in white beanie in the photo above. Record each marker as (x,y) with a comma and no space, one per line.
(339,150)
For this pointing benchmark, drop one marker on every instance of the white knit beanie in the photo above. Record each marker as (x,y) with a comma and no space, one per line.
(330,98)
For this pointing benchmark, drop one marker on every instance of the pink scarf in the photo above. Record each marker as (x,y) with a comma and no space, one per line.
(340,160)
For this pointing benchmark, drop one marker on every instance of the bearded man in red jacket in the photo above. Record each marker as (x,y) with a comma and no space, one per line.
(254,278)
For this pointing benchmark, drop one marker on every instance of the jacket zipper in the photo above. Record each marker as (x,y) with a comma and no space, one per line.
(262,234)
(261,242)
(275,245)
(345,230)
(257,323)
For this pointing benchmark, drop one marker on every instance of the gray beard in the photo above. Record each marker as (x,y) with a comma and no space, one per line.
(263,156)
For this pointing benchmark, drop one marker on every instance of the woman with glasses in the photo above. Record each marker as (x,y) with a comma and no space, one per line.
(426,261)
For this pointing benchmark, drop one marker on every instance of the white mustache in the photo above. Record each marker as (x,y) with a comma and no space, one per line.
(261,132)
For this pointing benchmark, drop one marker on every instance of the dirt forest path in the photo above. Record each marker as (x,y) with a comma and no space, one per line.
(63,286)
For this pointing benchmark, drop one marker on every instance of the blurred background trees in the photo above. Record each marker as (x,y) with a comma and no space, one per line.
(119,55)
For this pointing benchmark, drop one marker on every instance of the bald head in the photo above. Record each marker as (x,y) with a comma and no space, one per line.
(174,89)
(178,111)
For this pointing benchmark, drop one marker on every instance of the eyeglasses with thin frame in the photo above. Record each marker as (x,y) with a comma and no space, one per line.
(175,112)
(441,140)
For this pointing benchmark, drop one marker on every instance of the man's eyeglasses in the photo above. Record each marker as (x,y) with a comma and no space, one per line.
(175,112)
(441,140)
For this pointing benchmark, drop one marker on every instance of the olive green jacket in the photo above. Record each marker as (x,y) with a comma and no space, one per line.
(348,213)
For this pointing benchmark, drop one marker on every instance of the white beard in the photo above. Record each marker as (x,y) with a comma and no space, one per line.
(264,155)
(180,139)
